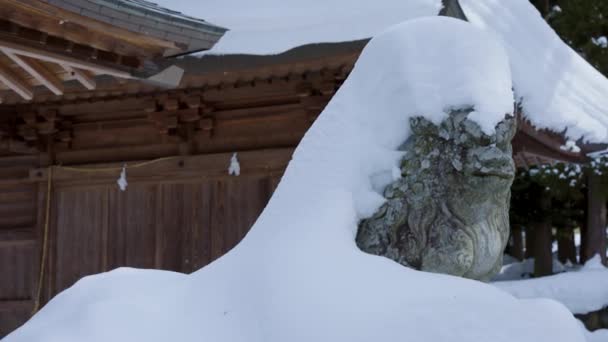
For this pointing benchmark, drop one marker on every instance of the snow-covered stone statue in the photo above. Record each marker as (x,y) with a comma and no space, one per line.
(298,275)
(449,211)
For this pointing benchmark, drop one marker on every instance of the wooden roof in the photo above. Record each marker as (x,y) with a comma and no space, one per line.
(204,73)
(188,34)
(44,43)
(532,146)
(312,73)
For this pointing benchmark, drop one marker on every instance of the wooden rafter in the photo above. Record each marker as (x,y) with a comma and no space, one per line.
(57,58)
(16,84)
(10,31)
(81,76)
(37,71)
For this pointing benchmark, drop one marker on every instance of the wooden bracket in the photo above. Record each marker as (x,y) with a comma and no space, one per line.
(188,115)
(164,121)
(206,125)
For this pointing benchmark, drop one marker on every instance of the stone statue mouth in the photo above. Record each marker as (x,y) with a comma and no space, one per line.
(503,174)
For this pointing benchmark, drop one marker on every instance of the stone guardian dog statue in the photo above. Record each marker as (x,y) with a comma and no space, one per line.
(449,213)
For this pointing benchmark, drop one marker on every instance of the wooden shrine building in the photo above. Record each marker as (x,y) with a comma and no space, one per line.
(87,88)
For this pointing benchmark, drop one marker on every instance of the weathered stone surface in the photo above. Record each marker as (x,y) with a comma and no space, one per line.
(449,211)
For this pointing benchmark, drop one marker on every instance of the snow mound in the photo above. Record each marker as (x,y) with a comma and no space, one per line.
(298,275)
(596,336)
(594,263)
(273,26)
(558,88)
(581,291)
(517,270)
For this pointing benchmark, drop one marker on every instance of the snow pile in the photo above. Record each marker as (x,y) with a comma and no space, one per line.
(273,26)
(601,41)
(556,9)
(570,146)
(298,275)
(558,88)
(581,291)
(596,336)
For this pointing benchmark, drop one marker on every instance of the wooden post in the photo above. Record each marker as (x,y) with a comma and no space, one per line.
(546,7)
(529,242)
(543,258)
(582,256)
(594,239)
(517,247)
(566,249)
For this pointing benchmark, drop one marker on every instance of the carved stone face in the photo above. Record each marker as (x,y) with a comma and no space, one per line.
(449,212)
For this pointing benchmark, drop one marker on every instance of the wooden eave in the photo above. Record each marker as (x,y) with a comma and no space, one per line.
(532,146)
(40,16)
(31,59)
(226,109)
(314,74)
(45,43)
(208,72)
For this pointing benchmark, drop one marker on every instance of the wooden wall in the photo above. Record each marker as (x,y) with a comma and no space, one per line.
(177,214)
(19,258)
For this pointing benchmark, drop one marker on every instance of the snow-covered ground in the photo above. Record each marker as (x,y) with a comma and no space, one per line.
(298,275)
(596,336)
(581,290)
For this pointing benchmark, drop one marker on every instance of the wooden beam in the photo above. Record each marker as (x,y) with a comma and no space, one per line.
(19,305)
(209,166)
(61,59)
(17,237)
(15,146)
(15,84)
(81,76)
(38,71)
(595,237)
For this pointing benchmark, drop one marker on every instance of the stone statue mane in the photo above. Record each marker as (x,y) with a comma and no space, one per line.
(449,211)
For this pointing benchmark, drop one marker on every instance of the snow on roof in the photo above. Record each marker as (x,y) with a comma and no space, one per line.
(298,275)
(273,26)
(153,10)
(559,90)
